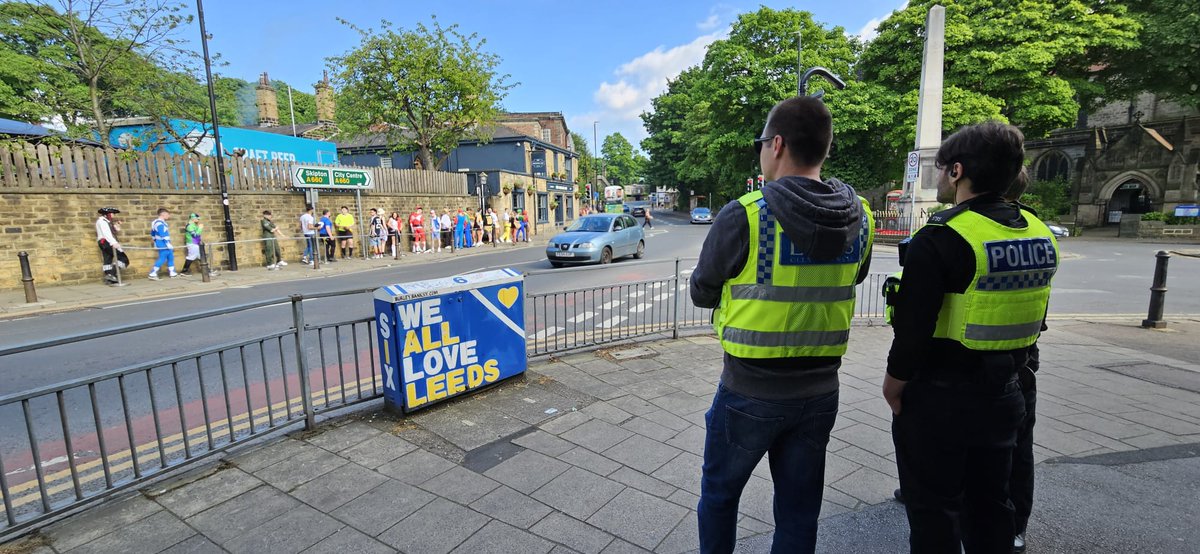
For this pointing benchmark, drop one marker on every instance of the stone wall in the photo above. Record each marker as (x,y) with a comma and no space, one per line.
(57,228)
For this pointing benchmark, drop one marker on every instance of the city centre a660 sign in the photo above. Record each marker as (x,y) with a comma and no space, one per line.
(309,176)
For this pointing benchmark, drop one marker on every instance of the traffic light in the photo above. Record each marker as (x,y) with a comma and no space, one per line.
(749,184)
(760,181)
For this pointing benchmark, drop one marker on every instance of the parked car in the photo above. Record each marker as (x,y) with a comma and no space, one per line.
(1058,230)
(597,238)
(638,211)
(702,215)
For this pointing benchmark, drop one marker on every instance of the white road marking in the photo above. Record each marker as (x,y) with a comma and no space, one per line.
(640,308)
(611,305)
(1080,291)
(582,317)
(637,293)
(158,300)
(544,333)
(613,322)
(661,297)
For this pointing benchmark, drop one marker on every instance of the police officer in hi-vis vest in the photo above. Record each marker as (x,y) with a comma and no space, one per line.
(971,303)
(780,266)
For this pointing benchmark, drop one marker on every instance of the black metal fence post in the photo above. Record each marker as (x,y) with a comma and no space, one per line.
(310,416)
(1158,292)
(27,278)
(204,273)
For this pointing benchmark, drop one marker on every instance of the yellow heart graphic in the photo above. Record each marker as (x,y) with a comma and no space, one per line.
(508,296)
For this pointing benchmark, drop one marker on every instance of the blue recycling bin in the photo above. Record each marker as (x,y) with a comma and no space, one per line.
(443,338)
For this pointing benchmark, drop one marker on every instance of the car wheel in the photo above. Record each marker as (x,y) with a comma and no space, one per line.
(606,255)
(641,251)
(557,264)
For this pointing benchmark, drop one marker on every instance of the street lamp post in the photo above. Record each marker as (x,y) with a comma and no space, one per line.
(212,106)
(595,163)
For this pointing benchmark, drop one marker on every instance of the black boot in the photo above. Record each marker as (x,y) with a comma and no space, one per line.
(187,265)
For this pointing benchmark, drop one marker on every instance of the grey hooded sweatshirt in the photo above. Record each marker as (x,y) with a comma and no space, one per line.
(822,218)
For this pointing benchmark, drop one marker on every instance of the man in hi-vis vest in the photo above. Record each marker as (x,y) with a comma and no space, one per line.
(971,303)
(780,266)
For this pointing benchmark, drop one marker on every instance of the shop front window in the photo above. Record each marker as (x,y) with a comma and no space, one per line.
(543,208)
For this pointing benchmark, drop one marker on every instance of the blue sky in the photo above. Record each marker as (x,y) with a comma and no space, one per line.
(594,61)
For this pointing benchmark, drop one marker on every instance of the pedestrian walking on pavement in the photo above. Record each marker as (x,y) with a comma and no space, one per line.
(377,233)
(780,267)
(447,230)
(160,233)
(435,232)
(344,224)
(111,252)
(327,236)
(193,239)
(272,255)
(416,222)
(971,303)
(308,227)
(395,234)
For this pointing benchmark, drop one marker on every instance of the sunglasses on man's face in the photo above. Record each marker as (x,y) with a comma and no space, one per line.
(758,143)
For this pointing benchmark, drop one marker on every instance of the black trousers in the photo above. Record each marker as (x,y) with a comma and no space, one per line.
(954,451)
(1021,482)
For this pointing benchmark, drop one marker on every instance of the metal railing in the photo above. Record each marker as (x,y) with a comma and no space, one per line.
(69,444)
(66,445)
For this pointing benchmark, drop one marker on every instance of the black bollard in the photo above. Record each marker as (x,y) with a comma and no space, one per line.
(204,273)
(1158,293)
(27,278)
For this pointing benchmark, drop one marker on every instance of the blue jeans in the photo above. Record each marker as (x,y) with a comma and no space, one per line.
(793,433)
(309,242)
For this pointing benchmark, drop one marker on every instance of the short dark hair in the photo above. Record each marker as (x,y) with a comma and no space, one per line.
(163,211)
(806,127)
(266,212)
(1018,185)
(991,154)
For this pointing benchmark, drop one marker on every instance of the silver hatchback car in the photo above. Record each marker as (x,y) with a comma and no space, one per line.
(598,238)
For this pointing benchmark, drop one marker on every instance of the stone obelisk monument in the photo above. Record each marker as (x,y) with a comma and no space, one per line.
(923,192)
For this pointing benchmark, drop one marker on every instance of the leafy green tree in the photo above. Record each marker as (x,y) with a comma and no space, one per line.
(305,104)
(111,44)
(1030,58)
(619,163)
(1167,60)
(747,74)
(587,166)
(1050,199)
(36,82)
(669,135)
(428,87)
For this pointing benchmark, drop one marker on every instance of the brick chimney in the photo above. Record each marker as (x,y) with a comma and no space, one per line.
(268,105)
(325,102)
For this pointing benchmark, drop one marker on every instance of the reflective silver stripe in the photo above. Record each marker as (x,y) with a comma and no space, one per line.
(791,294)
(793,338)
(1003,332)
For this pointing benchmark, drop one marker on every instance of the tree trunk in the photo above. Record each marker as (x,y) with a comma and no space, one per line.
(426,158)
(101,128)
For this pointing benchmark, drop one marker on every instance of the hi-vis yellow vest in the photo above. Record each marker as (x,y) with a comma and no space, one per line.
(783,304)
(1005,304)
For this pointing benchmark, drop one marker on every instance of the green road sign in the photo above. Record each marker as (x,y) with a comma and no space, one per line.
(306,176)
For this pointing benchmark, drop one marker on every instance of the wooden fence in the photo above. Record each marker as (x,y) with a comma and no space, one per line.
(24,166)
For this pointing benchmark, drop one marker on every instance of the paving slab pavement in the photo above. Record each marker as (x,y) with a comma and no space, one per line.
(598,452)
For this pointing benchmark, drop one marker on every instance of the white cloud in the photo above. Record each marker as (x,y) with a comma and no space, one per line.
(709,24)
(620,102)
(869,30)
